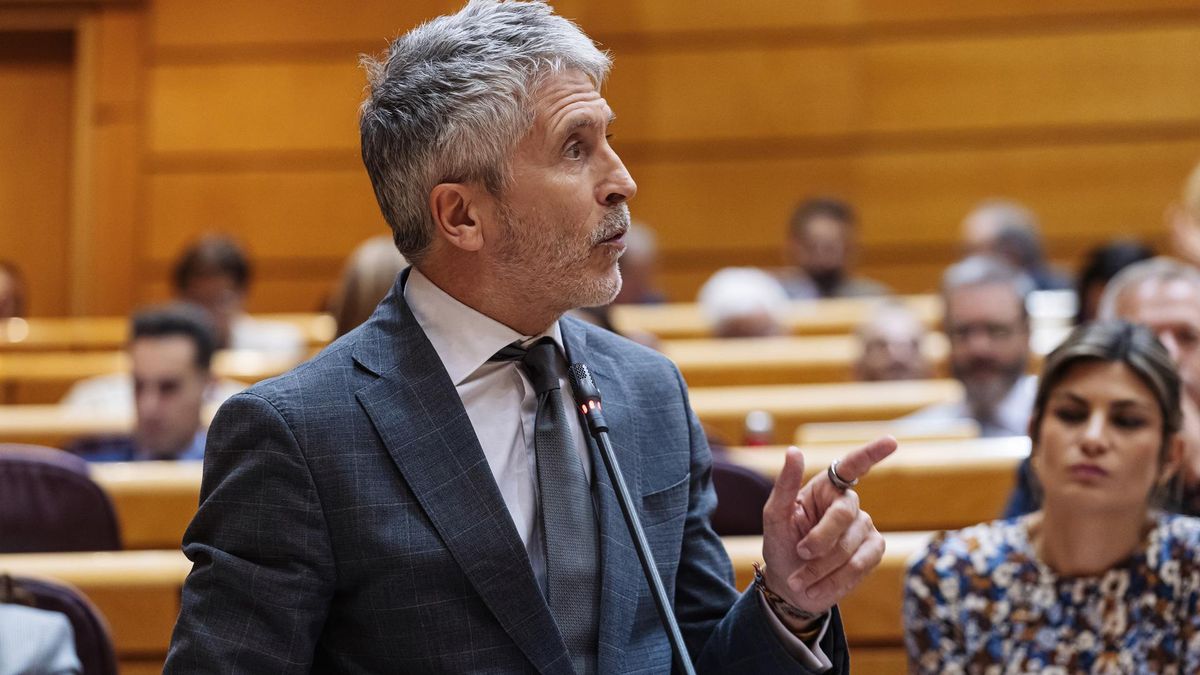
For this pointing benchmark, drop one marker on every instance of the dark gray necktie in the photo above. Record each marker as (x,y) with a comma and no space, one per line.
(569,530)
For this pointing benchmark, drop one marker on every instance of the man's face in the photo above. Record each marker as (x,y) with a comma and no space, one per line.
(989,342)
(891,350)
(220,296)
(561,220)
(823,249)
(168,393)
(1172,310)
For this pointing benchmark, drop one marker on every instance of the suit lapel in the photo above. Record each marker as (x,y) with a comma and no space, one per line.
(422,422)
(622,581)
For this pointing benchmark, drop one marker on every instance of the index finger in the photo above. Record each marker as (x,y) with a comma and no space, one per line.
(858,463)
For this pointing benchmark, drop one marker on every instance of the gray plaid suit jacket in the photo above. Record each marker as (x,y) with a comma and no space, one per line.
(349,523)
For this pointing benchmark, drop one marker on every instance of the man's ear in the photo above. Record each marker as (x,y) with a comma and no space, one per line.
(455,212)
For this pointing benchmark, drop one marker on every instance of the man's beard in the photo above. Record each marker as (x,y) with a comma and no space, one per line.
(987,383)
(827,281)
(549,270)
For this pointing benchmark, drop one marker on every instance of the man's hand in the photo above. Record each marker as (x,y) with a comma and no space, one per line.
(817,543)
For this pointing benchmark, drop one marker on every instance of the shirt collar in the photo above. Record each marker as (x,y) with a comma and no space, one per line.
(463,338)
(1014,410)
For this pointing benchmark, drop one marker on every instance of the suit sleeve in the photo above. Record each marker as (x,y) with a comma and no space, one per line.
(262,568)
(726,632)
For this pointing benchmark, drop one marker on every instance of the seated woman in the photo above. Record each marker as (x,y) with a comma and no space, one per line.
(1099,579)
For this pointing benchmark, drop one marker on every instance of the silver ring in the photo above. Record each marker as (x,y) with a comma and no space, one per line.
(839,482)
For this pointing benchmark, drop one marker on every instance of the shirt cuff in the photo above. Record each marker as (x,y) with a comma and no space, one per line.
(810,656)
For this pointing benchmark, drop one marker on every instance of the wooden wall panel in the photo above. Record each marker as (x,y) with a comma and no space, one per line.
(734,94)
(107,245)
(277,213)
(637,22)
(215,25)
(256,106)
(1096,77)
(729,113)
(36,87)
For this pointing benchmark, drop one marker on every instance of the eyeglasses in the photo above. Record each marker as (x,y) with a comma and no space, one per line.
(993,331)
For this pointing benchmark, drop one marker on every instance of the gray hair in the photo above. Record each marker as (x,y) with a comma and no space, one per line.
(1007,214)
(451,100)
(1161,269)
(986,270)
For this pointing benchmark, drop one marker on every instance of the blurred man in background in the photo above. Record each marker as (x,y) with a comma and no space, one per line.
(890,345)
(171,360)
(988,327)
(743,302)
(821,247)
(215,273)
(1009,230)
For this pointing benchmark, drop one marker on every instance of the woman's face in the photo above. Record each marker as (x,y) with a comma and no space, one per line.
(1098,447)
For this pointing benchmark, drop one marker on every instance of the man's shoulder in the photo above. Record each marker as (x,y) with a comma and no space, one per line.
(104,448)
(310,383)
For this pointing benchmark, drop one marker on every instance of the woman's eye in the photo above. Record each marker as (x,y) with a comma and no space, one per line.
(1070,415)
(1129,422)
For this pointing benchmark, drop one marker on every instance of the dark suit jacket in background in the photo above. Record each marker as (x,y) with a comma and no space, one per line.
(349,522)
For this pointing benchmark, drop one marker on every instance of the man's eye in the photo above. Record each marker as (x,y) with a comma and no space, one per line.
(574,151)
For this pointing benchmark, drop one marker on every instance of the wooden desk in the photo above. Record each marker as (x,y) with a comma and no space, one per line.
(137,591)
(932,485)
(708,362)
(111,332)
(56,426)
(807,317)
(723,409)
(155,501)
(44,377)
(871,614)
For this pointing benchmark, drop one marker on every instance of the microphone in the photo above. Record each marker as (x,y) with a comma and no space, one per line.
(587,400)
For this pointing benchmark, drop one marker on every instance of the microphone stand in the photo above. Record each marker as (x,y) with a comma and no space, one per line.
(587,398)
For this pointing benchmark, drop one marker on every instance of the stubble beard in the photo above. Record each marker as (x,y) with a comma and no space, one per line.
(556,273)
(985,392)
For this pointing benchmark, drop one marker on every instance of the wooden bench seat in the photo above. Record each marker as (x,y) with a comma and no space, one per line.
(778,360)
(139,594)
(44,377)
(106,333)
(810,317)
(137,591)
(930,485)
(723,409)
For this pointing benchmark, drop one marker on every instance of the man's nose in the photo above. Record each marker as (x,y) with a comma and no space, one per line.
(618,185)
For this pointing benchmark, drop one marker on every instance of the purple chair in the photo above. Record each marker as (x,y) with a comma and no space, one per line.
(93,642)
(49,503)
(741,496)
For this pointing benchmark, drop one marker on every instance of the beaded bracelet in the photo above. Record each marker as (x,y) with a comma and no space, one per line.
(777,602)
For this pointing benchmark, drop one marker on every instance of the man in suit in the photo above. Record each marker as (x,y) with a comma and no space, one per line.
(412,500)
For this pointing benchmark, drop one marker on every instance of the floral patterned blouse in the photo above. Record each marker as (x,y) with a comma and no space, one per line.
(979,601)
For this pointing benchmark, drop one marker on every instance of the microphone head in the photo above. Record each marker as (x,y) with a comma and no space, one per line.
(582,383)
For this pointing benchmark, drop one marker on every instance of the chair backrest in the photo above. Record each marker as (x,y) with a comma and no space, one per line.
(741,496)
(48,503)
(93,642)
